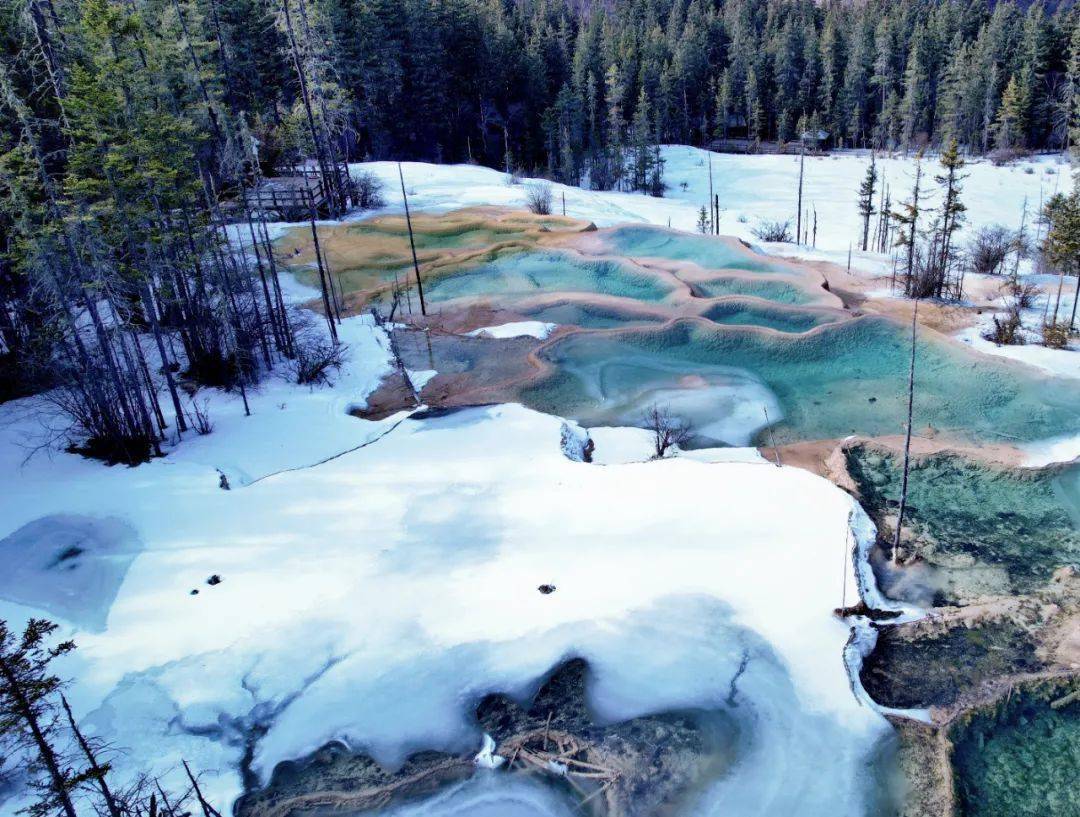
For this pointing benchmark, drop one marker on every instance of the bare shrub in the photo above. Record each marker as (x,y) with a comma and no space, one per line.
(774,231)
(989,249)
(538,198)
(369,190)
(1006,330)
(1023,295)
(1056,335)
(668,432)
(200,416)
(1005,156)
(316,359)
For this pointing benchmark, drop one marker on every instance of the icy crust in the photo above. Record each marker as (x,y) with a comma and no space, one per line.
(364,599)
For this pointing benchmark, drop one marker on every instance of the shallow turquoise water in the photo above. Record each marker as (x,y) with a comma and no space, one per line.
(747,313)
(705,251)
(844,379)
(1022,521)
(516,275)
(778,291)
(590,316)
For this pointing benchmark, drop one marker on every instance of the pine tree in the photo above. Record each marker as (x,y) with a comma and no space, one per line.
(1009,123)
(28,715)
(866,199)
(908,217)
(952,209)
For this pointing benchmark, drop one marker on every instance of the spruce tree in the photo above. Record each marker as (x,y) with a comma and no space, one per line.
(1009,123)
(952,209)
(866,199)
(29,717)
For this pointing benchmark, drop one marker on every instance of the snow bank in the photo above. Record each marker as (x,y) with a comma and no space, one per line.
(516,329)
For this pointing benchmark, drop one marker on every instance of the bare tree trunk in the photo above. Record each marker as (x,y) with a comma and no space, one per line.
(907,439)
(412,243)
(95,767)
(798,213)
(714,225)
(207,809)
(323,282)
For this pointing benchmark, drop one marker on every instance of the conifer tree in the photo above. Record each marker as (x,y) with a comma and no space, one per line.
(952,209)
(866,199)
(1009,123)
(28,716)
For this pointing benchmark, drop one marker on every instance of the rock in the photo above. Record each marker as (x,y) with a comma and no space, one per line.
(546,589)
(214,580)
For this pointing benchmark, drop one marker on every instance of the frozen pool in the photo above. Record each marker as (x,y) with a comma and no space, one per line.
(591,316)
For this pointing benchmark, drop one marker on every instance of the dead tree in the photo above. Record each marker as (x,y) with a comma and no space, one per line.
(798,209)
(412,242)
(907,440)
(667,432)
(97,771)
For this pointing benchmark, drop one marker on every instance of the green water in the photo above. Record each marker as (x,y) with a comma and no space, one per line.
(1020,760)
(748,313)
(1022,521)
(846,378)
(705,251)
(436,239)
(778,291)
(591,316)
(517,275)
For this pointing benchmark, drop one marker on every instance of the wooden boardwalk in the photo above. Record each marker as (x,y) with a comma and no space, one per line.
(295,194)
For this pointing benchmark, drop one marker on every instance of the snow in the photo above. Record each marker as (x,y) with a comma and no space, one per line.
(379,577)
(516,329)
(752,189)
(370,597)
(486,757)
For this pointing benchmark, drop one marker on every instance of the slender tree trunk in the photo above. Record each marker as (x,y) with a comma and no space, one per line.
(207,809)
(151,312)
(412,243)
(798,213)
(323,283)
(98,771)
(1076,300)
(907,439)
(714,225)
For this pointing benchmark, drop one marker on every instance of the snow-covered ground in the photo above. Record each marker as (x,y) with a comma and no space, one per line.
(371,597)
(752,189)
(376,577)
